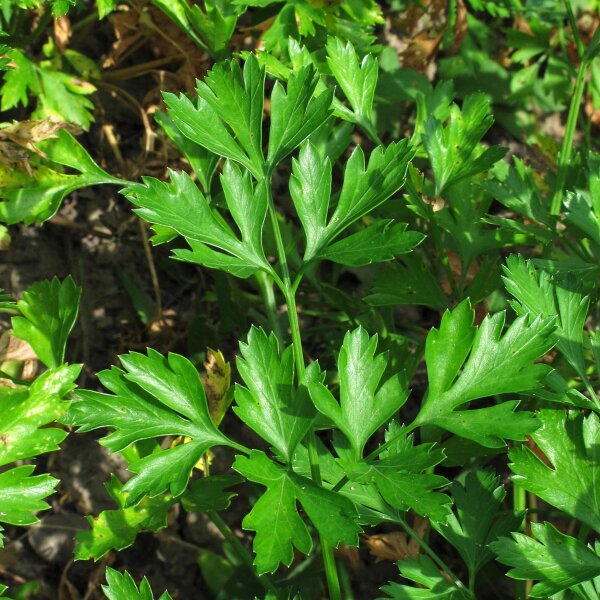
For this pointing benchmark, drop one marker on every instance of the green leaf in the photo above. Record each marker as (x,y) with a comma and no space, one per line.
(310,188)
(490,426)
(22,494)
(216,25)
(358,81)
(121,586)
(201,124)
(582,212)
(181,206)
(377,243)
(432,583)
(49,311)
(478,519)
(238,103)
(366,403)
(36,197)
(201,160)
(538,293)
(60,95)
(571,481)
(227,118)
(4,66)
(453,149)
(270,404)
(296,113)
(556,560)
(117,529)
(399,477)
(26,410)
(489,364)
(179,12)
(105,7)
(363,189)
(518,192)
(154,396)
(210,493)
(275,518)
(23,436)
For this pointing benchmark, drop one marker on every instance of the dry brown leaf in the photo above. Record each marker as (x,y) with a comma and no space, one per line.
(396,545)
(25,134)
(62,32)
(12,348)
(216,382)
(417,32)
(389,546)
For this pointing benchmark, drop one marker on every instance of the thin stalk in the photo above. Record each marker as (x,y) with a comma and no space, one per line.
(265,282)
(288,290)
(433,555)
(240,549)
(567,145)
(520,504)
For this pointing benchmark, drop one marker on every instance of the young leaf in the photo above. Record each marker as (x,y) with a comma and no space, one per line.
(557,561)
(275,518)
(295,113)
(453,149)
(121,586)
(358,81)
(377,243)
(477,521)
(49,311)
(270,404)
(496,364)
(400,478)
(154,396)
(36,196)
(117,529)
(366,403)
(537,293)
(182,207)
(572,480)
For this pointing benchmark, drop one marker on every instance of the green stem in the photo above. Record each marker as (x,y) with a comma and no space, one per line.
(265,282)
(567,145)
(520,505)
(289,290)
(240,549)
